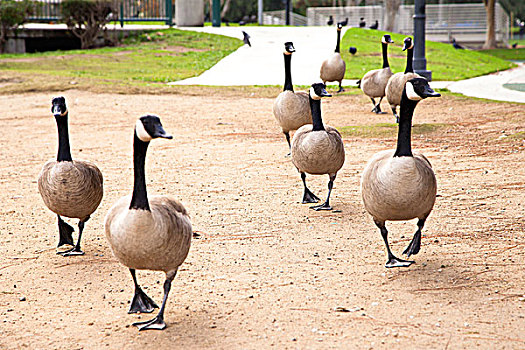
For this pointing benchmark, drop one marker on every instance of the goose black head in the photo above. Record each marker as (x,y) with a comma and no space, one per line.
(149,127)
(339,26)
(58,106)
(288,47)
(418,89)
(408,43)
(386,39)
(318,90)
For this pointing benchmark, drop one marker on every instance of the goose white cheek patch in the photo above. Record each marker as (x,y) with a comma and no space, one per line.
(313,95)
(142,134)
(411,94)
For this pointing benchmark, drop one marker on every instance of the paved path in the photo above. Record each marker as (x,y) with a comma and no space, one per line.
(262,64)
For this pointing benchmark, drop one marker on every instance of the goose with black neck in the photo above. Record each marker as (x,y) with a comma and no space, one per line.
(70,188)
(317,149)
(334,67)
(400,185)
(396,83)
(291,109)
(374,82)
(148,233)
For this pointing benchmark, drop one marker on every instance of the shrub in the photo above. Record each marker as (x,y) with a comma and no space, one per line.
(88,18)
(12,15)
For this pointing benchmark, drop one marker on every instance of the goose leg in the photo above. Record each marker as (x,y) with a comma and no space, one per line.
(287,134)
(308,196)
(377,108)
(76,250)
(158,321)
(65,230)
(395,113)
(415,244)
(140,303)
(393,261)
(374,103)
(340,87)
(326,204)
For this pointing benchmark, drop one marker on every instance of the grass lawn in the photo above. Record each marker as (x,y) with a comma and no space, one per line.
(445,62)
(148,58)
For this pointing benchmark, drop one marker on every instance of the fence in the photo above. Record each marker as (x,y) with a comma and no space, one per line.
(465,22)
(128,10)
(279,18)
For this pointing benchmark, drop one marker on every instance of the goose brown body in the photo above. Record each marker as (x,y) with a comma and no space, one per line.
(333,68)
(375,81)
(158,239)
(395,86)
(292,110)
(318,152)
(71,188)
(398,188)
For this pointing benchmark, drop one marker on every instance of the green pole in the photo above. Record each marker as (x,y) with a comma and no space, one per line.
(169,10)
(216,13)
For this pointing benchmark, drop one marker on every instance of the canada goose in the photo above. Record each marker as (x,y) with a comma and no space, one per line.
(152,234)
(399,185)
(456,45)
(375,25)
(330,20)
(345,22)
(374,82)
(291,109)
(71,188)
(246,38)
(396,83)
(362,22)
(333,68)
(317,149)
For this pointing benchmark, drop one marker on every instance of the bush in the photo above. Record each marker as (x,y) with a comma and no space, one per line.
(88,18)
(12,15)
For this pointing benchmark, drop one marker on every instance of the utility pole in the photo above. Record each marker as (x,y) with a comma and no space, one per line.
(420,62)
(216,13)
(287,12)
(260,8)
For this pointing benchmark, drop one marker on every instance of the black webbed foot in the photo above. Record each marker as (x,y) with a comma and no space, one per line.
(324,206)
(396,262)
(71,252)
(141,303)
(309,197)
(156,323)
(414,246)
(65,233)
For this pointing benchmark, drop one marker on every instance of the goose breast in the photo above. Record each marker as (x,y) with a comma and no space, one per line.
(292,110)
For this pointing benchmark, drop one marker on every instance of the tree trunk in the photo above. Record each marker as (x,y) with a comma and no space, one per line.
(392,8)
(225,8)
(490,41)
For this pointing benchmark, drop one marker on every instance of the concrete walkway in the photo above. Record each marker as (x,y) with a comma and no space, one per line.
(262,64)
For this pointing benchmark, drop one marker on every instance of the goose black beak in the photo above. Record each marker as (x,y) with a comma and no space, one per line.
(56,111)
(325,93)
(160,132)
(430,93)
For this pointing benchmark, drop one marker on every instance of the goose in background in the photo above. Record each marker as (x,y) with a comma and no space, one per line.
(345,22)
(148,234)
(456,45)
(352,50)
(70,188)
(291,109)
(374,82)
(334,68)
(401,185)
(362,22)
(396,83)
(375,25)
(330,20)
(246,38)
(317,149)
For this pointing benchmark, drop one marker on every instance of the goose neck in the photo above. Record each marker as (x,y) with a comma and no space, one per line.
(406,112)
(288,86)
(64,149)
(410,56)
(139,199)
(385,55)
(317,121)
(338,47)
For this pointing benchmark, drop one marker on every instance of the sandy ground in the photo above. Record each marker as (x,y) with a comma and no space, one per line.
(266,270)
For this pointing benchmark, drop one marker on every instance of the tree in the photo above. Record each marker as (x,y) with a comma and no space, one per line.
(88,18)
(392,8)
(12,15)
(490,40)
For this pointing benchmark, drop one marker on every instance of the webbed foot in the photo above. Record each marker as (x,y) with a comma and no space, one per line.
(396,262)
(309,197)
(323,206)
(156,323)
(141,303)
(71,252)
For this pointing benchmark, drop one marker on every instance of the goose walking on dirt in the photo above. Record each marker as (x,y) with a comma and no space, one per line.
(70,188)
(148,234)
(396,83)
(317,149)
(291,109)
(374,82)
(401,185)
(334,67)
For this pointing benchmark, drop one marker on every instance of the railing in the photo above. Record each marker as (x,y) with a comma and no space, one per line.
(319,16)
(128,11)
(279,18)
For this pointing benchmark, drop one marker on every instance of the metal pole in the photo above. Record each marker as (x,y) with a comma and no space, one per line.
(287,12)
(260,7)
(420,62)
(216,13)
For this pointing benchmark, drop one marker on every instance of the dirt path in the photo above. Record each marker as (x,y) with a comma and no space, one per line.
(267,271)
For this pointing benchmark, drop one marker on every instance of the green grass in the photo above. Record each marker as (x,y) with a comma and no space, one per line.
(383,130)
(520,135)
(507,54)
(445,62)
(152,57)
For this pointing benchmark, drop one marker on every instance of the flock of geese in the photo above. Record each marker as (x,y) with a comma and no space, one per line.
(154,232)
